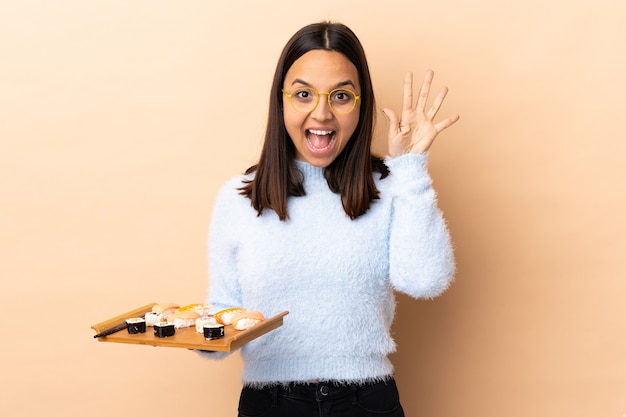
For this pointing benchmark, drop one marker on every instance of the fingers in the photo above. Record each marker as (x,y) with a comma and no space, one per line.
(424,91)
(444,124)
(417,118)
(437,103)
(407,97)
(422,98)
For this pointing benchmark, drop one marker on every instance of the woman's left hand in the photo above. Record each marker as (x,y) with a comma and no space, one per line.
(415,131)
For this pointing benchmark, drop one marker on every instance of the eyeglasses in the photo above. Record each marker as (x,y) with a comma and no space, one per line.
(305,100)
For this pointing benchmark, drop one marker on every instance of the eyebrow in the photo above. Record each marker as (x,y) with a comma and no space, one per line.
(340,84)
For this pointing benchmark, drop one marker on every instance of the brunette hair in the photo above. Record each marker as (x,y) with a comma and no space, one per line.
(351,174)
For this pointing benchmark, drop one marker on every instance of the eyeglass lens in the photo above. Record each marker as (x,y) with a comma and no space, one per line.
(341,101)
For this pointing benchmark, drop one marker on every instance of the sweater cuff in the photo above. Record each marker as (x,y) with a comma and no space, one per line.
(408,162)
(409,173)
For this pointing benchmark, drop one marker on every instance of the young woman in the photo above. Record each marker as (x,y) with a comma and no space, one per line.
(326,230)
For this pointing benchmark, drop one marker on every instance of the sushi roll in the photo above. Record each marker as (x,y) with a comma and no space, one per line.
(164,329)
(136,325)
(213,331)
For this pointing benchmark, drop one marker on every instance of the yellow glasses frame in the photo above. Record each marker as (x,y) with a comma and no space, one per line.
(317,99)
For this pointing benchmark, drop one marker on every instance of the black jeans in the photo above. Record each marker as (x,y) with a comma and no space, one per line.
(323,399)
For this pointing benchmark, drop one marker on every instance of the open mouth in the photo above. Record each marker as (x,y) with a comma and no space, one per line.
(320,140)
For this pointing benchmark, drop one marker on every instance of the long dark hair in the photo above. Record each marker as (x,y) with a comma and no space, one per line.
(351,173)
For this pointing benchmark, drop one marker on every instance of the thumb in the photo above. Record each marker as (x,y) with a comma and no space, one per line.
(392,117)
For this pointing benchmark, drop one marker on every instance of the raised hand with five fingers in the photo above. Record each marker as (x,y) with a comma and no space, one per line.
(415,130)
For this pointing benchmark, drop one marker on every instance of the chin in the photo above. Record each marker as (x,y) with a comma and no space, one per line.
(319,162)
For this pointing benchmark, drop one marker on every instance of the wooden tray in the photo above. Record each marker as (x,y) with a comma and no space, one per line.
(186,337)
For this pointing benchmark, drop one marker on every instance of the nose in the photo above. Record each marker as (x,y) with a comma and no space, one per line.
(322,111)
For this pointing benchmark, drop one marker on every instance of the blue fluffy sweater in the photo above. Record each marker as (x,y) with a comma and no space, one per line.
(335,276)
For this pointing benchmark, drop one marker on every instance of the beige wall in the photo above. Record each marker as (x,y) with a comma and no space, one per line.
(120,119)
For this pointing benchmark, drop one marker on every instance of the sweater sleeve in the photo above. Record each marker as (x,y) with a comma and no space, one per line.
(421,258)
(224,290)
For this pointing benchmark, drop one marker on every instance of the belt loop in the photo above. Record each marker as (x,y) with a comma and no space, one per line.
(354,388)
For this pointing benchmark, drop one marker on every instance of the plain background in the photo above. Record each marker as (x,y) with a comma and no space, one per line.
(119,120)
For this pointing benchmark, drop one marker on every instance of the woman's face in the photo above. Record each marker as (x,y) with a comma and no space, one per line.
(320,135)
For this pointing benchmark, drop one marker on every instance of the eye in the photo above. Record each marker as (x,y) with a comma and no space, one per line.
(342,96)
(303,94)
